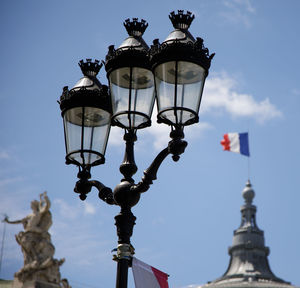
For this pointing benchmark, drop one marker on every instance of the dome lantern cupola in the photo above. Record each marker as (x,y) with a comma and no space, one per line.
(249,265)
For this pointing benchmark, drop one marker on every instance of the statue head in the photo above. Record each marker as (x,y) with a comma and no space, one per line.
(35,205)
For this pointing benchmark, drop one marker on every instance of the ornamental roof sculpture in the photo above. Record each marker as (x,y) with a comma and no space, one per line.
(40,269)
(249,265)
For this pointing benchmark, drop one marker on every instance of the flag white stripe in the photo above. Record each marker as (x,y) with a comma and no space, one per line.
(143,275)
(234,142)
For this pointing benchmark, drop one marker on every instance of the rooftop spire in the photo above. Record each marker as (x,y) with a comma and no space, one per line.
(248,193)
(248,253)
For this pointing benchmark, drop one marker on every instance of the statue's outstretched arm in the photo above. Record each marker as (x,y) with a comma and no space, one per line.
(12,222)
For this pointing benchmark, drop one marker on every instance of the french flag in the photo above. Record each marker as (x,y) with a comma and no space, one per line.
(146,276)
(236,142)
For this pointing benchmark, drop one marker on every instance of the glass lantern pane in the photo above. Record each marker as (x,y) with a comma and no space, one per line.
(87,131)
(179,90)
(132,90)
(72,131)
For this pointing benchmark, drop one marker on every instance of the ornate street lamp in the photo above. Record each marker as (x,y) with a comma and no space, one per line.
(86,112)
(174,72)
(130,78)
(180,65)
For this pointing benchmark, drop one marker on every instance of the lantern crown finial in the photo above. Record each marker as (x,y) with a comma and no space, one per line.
(181,20)
(135,27)
(90,68)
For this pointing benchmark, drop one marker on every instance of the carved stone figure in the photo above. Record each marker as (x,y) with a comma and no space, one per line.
(37,249)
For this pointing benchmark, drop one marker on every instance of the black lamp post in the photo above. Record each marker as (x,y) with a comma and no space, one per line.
(174,72)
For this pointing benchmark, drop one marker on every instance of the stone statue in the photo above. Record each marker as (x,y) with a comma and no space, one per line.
(37,249)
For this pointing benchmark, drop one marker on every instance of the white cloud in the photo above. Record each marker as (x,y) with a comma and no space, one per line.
(221,95)
(89,208)
(159,221)
(72,227)
(65,210)
(15,206)
(89,249)
(6,181)
(245,4)
(4,155)
(296,92)
(116,136)
(71,212)
(238,11)
(159,133)
(10,153)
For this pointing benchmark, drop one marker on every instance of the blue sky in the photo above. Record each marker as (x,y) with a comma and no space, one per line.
(186,220)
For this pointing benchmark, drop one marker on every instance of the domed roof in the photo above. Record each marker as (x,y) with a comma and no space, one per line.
(248,266)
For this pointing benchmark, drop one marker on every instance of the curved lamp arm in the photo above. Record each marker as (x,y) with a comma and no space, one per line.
(84,186)
(105,193)
(150,173)
(176,147)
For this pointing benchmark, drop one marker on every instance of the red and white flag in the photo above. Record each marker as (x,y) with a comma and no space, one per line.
(146,276)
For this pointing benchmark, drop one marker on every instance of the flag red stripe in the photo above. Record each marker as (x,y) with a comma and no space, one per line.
(161,277)
(226,143)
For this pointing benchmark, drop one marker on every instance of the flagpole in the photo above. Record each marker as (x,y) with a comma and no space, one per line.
(249,168)
(2,245)
(248,156)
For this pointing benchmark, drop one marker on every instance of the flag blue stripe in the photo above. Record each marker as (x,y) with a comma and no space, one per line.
(244,144)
